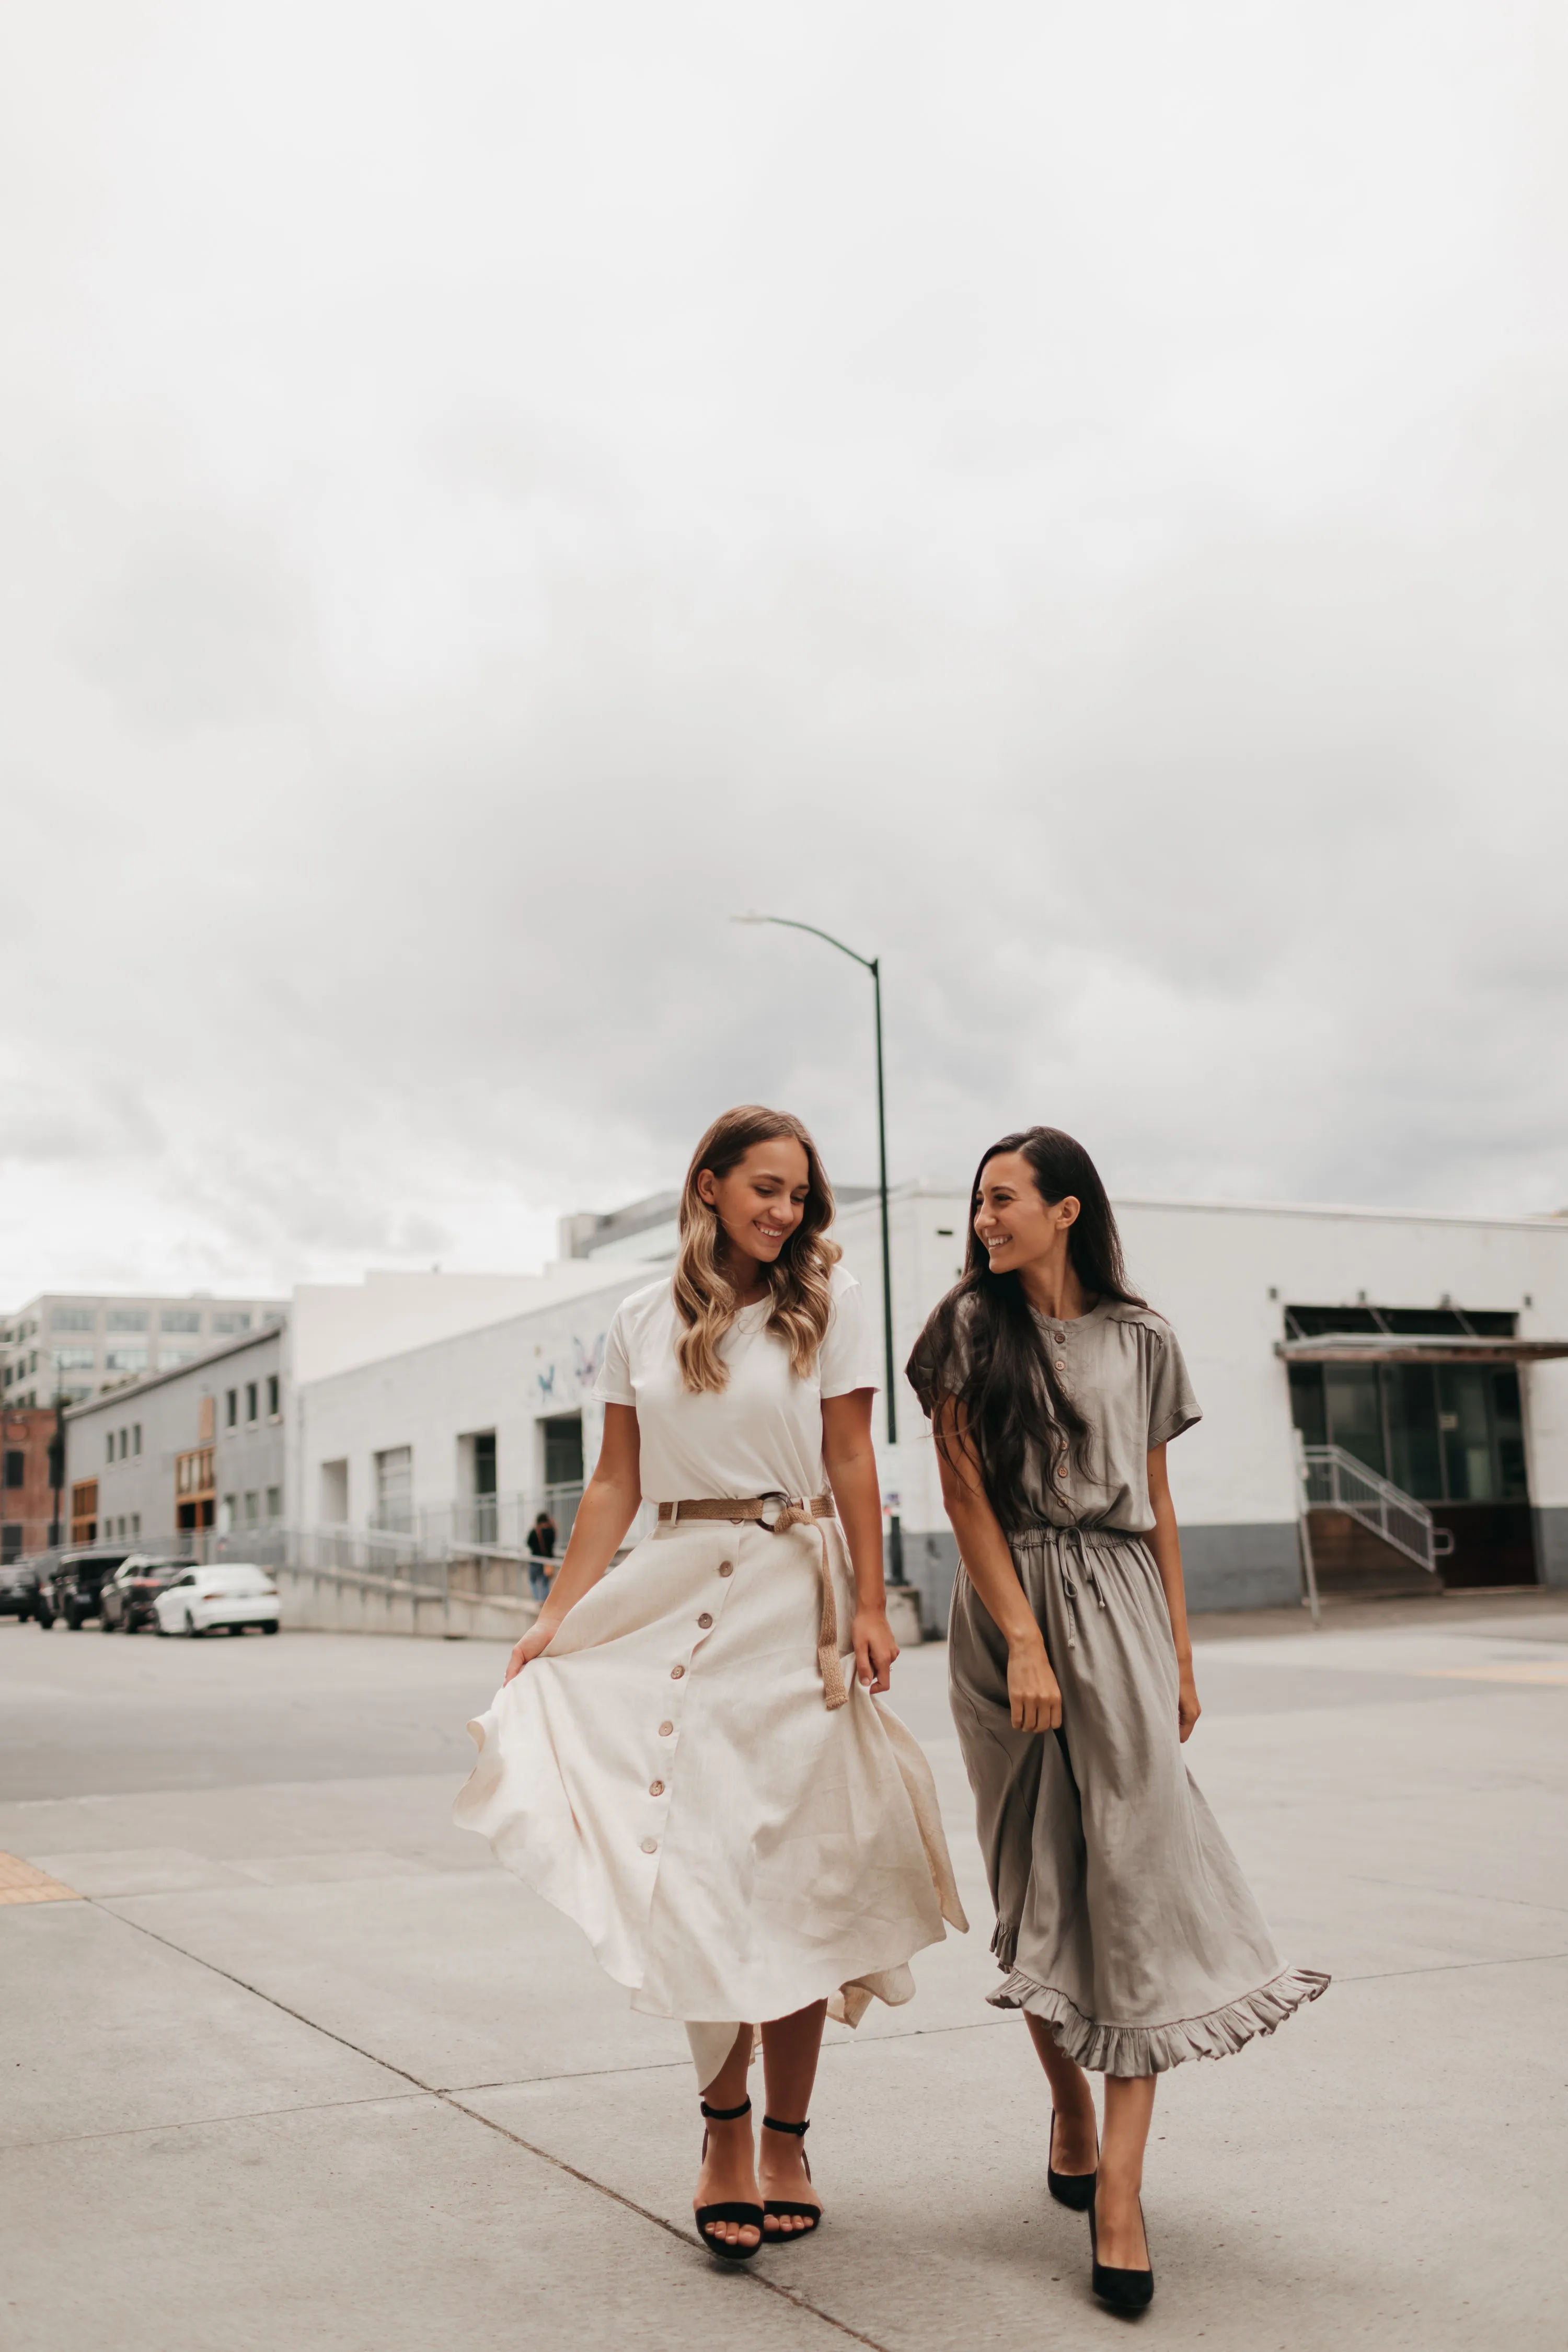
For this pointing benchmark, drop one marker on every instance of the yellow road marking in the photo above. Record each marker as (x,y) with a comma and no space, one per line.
(20,1882)
(1552,1672)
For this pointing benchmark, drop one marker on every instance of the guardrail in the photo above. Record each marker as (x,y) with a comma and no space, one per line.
(1330,1479)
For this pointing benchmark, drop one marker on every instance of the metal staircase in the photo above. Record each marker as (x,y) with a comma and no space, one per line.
(1330,1479)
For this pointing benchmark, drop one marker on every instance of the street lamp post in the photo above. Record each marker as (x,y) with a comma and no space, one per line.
(58,1462)
(873,964)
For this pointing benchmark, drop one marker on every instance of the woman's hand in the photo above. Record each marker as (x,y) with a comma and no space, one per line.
(875,1649)
(1033,1689)
(1188,1708)
(538,1637)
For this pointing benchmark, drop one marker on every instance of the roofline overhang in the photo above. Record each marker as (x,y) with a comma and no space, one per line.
(1380,1348)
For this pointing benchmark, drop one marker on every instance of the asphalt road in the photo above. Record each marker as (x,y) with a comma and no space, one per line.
(294,2064)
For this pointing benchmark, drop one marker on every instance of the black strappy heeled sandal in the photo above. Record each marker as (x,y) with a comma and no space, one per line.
(782,2208)
(1121,2290)
(748,2216)
(1074,2190)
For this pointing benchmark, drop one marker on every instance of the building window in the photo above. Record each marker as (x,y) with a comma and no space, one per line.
(109,1441)
(179,1318)
(231,1409)
(562,1436)
(1444,1432)
(252,1509)
(394,1489)
(135,1525)
(125,1319)
(275,1502)
(10,1542)
(135,1437)
(250,1397)
(84,1511)
(72,1318)
(125,1359)
(75,1359)
(274,1405)
(232,1318)
(477,1476)
(230,1513)
(169,1358)
(16,1467)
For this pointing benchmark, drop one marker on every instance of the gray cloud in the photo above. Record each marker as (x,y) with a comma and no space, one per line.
(1074,505)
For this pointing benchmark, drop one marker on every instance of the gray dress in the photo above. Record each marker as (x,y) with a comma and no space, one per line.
(1122,1916)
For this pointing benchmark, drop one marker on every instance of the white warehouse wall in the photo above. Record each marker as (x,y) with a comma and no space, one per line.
(1209,1268)
(506,1376)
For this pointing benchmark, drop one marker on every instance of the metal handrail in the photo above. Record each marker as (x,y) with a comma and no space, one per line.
(1334,1480)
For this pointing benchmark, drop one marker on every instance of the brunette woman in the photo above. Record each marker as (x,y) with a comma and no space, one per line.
(685,1757)
(1130,1937)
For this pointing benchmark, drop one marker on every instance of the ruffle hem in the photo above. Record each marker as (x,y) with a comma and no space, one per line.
(1134,2050)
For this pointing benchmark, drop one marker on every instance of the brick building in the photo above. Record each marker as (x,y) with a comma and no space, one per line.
(26,1491)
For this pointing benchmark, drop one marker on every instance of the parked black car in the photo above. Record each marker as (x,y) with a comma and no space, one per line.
(75,1587)
(19,1589)
(126,1604)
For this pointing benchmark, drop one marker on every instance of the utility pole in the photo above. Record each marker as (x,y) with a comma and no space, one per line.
(58,1462)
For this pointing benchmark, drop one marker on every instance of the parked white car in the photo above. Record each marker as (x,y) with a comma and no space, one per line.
(226,1597)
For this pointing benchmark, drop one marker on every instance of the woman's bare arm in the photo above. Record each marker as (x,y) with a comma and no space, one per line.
(1166,1545)
(1032,1688)
(851,1462)
(608,1506)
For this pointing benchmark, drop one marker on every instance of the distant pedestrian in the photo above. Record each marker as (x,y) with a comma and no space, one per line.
(1130,1937)
(678,1759)
(541,1537)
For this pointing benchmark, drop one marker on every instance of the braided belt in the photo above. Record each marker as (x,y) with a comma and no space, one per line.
(778,1513)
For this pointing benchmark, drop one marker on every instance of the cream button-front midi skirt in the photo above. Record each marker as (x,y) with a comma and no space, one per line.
(669,1775)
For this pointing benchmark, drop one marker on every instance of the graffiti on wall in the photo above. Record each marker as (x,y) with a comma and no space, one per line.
(588,1356)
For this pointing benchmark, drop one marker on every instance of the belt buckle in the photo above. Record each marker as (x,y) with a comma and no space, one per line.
(768,1517)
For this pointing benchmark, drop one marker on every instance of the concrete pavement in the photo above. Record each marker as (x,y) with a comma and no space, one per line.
(303,2068)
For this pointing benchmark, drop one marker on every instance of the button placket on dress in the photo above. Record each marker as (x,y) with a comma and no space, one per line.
(660,1788)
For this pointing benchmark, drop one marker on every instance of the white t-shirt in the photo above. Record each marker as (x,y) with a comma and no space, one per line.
(763,1434)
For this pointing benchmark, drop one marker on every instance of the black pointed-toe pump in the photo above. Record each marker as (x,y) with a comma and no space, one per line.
(748,2216)
(1074,2190)
(781,2206)
(1121,2290)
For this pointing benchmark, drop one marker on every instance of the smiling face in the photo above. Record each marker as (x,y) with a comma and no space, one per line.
(1013,1225)
(761,1201)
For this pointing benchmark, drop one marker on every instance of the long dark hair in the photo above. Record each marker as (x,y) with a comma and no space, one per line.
(982,1346)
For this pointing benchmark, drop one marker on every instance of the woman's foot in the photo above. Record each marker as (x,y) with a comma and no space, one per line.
(784,2175)
(728,2177)
(1120,2241)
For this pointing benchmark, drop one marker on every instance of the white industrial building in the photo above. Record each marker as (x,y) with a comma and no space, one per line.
(1427,1350)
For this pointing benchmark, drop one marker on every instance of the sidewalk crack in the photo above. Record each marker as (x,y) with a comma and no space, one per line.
(689,2238)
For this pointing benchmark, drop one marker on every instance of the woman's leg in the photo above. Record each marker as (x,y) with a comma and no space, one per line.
(729,2174)
(791,2046)
(1129,2111)
(1073,2140)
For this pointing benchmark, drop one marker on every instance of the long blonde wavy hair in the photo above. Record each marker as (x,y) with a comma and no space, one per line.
(798,1277)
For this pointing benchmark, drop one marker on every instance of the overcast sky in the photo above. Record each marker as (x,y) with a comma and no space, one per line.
(1073,500)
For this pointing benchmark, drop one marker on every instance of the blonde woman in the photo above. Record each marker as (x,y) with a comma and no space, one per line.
(685,1757)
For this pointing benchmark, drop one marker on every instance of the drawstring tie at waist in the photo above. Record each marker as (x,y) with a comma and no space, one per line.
(1057,1541)
(778,1513)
